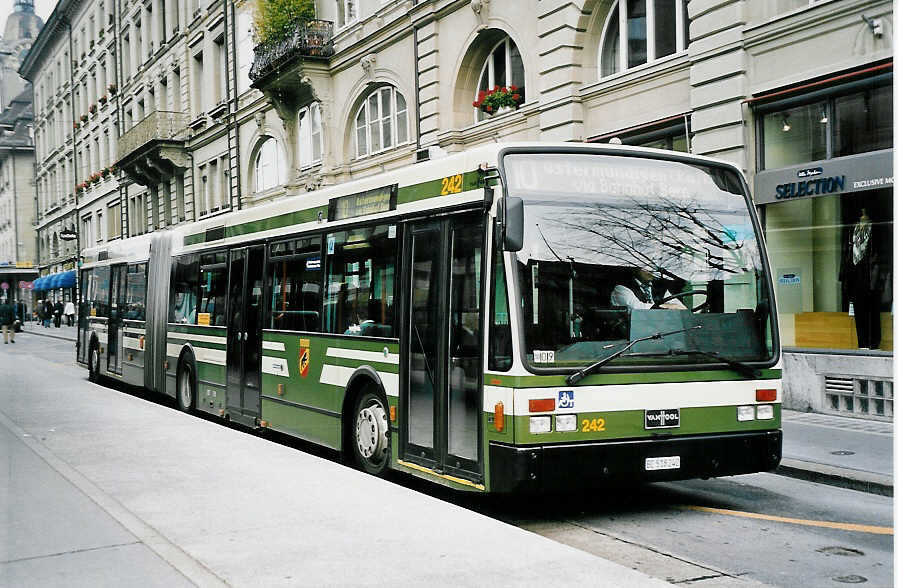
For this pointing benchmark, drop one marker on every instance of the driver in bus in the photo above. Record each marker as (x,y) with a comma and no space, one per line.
(638,294)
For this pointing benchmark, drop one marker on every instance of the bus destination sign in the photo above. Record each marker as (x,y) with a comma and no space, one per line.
(363,203)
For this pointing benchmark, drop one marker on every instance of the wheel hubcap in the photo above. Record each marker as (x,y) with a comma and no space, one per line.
(371,431)
(185,389)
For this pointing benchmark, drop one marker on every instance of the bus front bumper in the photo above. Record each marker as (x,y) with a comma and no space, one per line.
(613,463)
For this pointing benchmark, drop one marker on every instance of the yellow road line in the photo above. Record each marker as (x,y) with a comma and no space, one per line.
(808,523)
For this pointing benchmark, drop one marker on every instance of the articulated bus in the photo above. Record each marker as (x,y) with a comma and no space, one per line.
(512,318)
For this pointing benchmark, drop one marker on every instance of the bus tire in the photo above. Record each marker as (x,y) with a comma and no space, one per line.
(370,431)
(93,363)
(186,387)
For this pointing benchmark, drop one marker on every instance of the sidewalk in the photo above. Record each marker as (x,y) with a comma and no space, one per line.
(841,451)
(102,488)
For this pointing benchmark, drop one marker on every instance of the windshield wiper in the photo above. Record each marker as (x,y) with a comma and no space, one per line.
(579,375)
(743,368)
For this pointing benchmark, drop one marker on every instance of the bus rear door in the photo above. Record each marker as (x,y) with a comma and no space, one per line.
(244,355)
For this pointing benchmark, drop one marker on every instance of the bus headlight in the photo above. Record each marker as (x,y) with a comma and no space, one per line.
(765,412)
(745,413)
(566,422)
(540,424)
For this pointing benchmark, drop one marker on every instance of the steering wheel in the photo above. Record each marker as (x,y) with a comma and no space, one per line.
(683,294)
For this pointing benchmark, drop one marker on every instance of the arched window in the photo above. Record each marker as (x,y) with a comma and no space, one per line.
(641,31)
(381,122)
(309,135)
(503,67)
(270,165)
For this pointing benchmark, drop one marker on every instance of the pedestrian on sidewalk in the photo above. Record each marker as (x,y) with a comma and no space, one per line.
(57,314)
(7,317)
(70,313)
(48,313)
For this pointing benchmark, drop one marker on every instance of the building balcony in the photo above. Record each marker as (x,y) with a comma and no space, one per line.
(153,151)
(272,60)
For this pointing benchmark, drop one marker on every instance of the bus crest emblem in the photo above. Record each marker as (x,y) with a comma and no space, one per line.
(304,357)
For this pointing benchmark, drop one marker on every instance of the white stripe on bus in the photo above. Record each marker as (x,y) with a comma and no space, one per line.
(135,331)
(363,355)
(200,338)
(338,375)
(273,346)
(213,356)
(275,366)
(635,396)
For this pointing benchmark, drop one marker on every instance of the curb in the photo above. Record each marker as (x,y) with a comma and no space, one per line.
(40,334)
(869,482)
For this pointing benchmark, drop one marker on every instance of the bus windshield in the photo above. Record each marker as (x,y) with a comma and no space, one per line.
(620,247)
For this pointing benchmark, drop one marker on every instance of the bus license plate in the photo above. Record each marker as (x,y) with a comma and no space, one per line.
(662,463)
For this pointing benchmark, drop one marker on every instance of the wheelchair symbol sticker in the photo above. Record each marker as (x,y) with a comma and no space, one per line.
(565,399)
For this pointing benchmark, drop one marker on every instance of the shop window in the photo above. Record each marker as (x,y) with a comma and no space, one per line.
(664,136)
(840,125)
(182,300)
(136,293)
(831,260)
(504,68)
(213,289)
(294,280)
(361,271)
(627,40)
(795,135)
(381,122)
(863,122)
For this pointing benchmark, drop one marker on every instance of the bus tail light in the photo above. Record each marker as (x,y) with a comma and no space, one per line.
(765,412)
(499,417)
(766,395)
(542,404)
(745,413)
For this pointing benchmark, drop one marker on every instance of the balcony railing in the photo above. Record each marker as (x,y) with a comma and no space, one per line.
(315,39)
(161,125)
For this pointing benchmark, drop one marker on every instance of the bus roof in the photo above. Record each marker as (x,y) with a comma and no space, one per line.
(418,186)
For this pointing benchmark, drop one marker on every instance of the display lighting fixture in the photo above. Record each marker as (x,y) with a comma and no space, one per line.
(786,126)
(823,118)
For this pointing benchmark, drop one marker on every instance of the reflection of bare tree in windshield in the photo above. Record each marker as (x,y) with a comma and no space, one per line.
(676,238)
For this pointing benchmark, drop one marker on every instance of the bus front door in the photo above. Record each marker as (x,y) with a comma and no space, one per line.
(244,355)
(441,381)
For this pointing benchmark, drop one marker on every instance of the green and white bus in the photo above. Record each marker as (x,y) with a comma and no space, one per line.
(516,317)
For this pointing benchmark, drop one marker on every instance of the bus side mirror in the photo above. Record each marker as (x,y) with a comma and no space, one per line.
(514,224)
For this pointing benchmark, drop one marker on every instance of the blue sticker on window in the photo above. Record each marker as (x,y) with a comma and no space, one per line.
(565,399)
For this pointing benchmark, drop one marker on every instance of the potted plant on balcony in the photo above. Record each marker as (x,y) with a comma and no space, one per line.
(76,125)
(92,109)
(103,99)
(112,88)
(105,172)
(83,118)
(499,100)
(276,20)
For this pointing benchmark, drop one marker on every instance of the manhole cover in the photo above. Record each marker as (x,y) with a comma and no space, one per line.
(842,452)
(851,579)
(839,550)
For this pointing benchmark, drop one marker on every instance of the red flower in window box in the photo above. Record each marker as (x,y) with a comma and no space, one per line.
(498,97)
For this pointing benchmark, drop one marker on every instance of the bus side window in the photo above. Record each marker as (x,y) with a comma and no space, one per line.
(500,329)
(136,293)
(295,285)
(361,272)
(101,291)
(185,273)
(213,289)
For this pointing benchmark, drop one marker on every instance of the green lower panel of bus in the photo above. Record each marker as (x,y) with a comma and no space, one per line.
(303,422)
(630,424)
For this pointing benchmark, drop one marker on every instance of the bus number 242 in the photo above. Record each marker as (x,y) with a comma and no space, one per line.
(451,185)
(592,425)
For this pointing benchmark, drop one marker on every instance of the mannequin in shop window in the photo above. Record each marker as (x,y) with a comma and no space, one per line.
(860,275)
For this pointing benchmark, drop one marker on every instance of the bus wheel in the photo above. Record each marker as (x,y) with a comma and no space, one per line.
(185,387)
(93,364)
(371,439)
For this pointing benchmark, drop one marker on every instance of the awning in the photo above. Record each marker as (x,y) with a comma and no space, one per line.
(52,281)
(67,279)
(38,285)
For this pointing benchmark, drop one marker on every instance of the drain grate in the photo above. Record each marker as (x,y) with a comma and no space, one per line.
(842,452)
(850,579)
